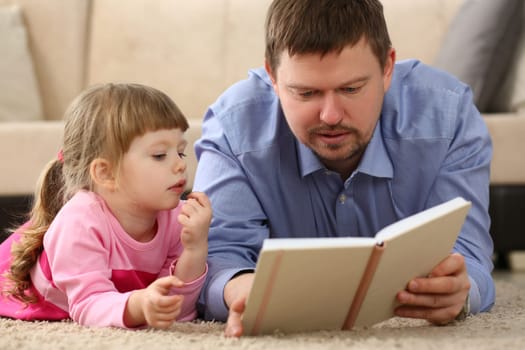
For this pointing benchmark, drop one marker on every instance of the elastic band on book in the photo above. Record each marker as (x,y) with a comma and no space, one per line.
(267,292)
(362,289)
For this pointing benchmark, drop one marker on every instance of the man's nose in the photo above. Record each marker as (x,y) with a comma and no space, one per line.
(332,109)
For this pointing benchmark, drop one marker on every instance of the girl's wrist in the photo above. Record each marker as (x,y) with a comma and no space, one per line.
(190,265)
(199,246)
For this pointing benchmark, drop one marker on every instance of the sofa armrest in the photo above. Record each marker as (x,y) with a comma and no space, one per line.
(507,132)
(25,148)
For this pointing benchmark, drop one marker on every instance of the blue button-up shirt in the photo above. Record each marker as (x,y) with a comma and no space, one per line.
(430,145)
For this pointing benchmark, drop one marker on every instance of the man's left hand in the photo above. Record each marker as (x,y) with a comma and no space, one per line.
(440,297)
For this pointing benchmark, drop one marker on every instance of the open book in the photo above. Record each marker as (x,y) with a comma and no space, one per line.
(305,284)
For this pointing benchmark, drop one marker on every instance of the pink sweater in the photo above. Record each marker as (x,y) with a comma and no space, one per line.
(90,265)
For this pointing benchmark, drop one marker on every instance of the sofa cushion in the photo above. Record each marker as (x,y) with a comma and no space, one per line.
(57,34)
(19,96)
(480,43)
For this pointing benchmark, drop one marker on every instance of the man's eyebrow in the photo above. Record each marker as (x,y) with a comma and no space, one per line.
(297,86)
(356,80)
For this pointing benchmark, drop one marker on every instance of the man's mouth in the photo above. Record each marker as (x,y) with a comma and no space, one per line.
(332,136)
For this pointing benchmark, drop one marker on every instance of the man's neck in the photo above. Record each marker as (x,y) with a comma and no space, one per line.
(343,168)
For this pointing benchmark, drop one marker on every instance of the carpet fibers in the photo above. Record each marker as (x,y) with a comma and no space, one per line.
(502,328)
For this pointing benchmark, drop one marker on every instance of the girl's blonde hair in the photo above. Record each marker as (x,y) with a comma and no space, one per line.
(101,122)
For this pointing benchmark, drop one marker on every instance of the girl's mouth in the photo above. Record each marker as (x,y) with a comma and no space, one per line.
(179,186)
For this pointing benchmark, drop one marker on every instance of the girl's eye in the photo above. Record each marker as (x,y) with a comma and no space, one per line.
(159,156)
(182,154)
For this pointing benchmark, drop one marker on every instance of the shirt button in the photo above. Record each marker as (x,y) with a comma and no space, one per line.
(342,199)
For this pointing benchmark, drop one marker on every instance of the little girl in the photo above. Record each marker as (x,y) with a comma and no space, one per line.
(109,243)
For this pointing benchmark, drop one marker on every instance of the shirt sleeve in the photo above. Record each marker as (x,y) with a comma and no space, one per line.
(239,223)
(466,172)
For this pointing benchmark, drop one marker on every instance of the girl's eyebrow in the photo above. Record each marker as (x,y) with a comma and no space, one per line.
(181,143)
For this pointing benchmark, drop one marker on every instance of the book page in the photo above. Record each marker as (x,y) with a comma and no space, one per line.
(305,289)
(413,247)
(405,225)
(317,243)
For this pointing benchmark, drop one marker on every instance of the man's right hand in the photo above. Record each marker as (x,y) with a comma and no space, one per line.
(235,294)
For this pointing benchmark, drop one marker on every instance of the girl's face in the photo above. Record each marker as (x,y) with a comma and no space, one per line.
(153,171)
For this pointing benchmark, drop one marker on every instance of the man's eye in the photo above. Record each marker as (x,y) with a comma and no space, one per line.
(350,90)
(306,94)
(159,156)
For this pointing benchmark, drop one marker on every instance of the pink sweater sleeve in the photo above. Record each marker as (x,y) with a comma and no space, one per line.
(190,291)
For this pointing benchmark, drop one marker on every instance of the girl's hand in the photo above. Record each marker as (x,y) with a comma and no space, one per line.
(195,218)
(154,305)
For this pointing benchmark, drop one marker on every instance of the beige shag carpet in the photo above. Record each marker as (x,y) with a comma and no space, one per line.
(502,328)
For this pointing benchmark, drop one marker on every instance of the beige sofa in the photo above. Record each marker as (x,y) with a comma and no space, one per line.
(192,50)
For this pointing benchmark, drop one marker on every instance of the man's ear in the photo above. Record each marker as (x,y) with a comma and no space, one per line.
(388,70)
(102,173)
(271,74)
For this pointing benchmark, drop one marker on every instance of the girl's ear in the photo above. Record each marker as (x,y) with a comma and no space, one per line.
(102,173)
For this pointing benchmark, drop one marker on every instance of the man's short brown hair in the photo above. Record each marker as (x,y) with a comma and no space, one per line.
(323,26)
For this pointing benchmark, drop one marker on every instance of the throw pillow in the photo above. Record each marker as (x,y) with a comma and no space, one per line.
(480,43)
(19,96)
(511,96)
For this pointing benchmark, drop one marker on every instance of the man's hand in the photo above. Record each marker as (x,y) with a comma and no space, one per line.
(439,297)
(235,294)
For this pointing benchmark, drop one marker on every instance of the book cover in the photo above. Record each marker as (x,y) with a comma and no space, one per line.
(306,284)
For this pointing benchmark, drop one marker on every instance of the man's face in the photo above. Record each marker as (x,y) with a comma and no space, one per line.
(332,102)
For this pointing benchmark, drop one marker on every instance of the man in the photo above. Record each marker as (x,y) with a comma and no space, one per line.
(333,138)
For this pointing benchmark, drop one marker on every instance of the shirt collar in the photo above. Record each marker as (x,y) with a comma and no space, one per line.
(375,161)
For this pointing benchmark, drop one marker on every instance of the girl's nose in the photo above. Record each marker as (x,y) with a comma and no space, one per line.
(179,165)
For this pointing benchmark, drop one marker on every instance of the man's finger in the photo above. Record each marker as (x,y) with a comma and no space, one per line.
(234,324)
(436,316)
(436,285)
(451,265)
(429,300)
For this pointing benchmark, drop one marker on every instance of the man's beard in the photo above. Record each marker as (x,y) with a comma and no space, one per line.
(355,148)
